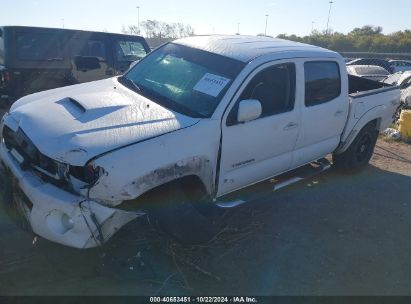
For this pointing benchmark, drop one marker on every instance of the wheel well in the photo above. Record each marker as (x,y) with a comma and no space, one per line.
(191,184)
(193,187)
(376,123)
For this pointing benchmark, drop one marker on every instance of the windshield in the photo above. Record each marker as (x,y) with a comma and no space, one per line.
(183,79)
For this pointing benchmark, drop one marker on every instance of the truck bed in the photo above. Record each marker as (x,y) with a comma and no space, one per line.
(358,85)
(369,100)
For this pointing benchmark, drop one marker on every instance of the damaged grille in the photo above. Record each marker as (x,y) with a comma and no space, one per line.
(48,168)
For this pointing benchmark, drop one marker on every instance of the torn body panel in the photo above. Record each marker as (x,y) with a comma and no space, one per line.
(195,166)
(132,171)
(63,217)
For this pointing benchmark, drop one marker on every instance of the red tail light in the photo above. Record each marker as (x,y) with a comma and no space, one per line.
(7,76)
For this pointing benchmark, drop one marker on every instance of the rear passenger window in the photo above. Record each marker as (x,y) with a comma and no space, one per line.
(274,88)
(322,82)
(38,46)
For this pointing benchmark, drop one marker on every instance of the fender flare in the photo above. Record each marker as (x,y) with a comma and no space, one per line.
(372,115)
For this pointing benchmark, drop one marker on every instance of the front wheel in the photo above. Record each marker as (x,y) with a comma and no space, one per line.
(187,220)
(359,153)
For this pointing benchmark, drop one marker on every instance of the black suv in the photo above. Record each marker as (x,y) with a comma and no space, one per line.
(35,59)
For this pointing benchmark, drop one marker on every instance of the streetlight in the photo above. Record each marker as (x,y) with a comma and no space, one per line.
(266,22)
(329,14)
(138,17)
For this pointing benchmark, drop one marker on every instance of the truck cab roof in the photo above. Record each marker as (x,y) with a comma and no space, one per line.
(247,48)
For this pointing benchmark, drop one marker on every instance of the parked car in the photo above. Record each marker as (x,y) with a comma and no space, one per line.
(373,61)
(36,59)
(400,65)
(349,59)
(403,80)
(372,72)
(182,133)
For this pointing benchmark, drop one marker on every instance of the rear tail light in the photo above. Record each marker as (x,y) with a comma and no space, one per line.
(7,76)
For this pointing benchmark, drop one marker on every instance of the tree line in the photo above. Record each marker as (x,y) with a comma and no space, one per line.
(159,32)
(365,39)
(159,29)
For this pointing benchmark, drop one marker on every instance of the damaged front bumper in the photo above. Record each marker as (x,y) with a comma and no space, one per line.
(60,216)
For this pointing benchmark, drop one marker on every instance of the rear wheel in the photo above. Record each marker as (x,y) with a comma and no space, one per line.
(186,219)
(359,153)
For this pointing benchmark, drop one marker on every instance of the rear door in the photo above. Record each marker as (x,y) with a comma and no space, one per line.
(324,112)
(90,58)
(126,50)
(262,148)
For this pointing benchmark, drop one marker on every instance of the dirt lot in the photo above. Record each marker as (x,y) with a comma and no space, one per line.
(332,235)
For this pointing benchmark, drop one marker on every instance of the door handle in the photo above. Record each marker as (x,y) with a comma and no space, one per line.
(291,126)
(338,113)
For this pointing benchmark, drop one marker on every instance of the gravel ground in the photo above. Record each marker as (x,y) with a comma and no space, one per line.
(331,235)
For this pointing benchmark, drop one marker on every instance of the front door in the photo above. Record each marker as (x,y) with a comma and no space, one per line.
(127,51)
(262,148)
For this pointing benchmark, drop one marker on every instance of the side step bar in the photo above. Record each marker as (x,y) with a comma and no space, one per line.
(267,187)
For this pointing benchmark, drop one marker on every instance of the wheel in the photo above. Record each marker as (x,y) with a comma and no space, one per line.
(359,153)
(189,221)
(8,199)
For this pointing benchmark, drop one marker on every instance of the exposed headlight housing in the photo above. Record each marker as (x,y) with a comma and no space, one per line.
(88,174)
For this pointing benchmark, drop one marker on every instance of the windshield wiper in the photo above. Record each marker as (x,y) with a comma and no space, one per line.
(128,82)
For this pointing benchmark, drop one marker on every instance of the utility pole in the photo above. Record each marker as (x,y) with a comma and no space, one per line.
(238,28)
(312,26)
(266,23)
(138,17)
(329,14)
(62,21)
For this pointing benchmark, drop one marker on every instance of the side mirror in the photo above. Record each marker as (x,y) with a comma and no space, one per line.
(408,100)
(248,110)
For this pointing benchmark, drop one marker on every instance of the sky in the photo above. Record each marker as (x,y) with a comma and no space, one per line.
(211,16)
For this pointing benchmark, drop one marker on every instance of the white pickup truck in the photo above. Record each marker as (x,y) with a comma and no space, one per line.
(182,132)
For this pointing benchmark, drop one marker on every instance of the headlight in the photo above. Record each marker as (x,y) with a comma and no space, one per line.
(88,174)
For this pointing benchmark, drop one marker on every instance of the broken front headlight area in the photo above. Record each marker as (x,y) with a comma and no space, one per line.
(63,175)
(85,176)
(74,179)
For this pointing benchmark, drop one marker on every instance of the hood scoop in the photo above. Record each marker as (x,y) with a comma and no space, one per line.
(72,106)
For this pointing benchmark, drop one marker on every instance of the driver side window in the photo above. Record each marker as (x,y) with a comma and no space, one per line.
(274,88)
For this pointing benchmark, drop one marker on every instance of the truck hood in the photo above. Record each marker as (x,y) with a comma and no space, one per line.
(77,123)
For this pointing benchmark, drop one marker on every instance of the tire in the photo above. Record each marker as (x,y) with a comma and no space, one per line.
(188,221)
(359,153)
(7,199)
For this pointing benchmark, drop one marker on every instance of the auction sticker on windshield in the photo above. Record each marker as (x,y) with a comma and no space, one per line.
(211,84)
